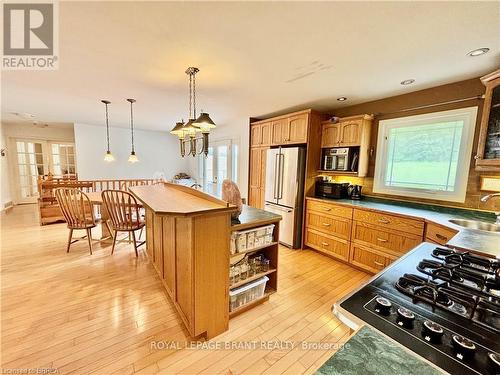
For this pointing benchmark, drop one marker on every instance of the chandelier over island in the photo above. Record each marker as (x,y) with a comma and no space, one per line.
(188,132)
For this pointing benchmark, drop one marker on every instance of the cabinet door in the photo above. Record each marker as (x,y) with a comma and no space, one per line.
(488,149)
(266,134)
(149,234)
(280,131)
(297,129)
(330,135)
(350,133)
(255,135)
(255,166)
(254,197)
(262,184)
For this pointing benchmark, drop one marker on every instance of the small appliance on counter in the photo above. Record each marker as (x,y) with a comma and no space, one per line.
(355,192)
(326,188)
(335,190)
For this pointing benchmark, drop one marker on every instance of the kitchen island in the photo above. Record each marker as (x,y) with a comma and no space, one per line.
(188,242)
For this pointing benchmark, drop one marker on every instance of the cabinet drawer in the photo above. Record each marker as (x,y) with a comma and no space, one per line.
(368,259)
(335,226)
(332,246)
(371,235)
(385,220)
(330,209)
(438,234)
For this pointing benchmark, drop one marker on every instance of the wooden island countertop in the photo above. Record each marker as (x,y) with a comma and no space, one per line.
(171,199)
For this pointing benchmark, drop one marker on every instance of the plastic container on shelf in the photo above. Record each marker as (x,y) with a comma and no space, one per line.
(252,238)
(247,293)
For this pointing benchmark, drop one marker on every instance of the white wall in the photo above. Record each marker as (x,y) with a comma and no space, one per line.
(157,152)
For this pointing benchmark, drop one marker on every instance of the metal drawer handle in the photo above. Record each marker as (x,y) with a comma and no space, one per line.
(326,224)
(441,237)
(384,221)
(328,209)
(381,239)
(325,243)
(378,263)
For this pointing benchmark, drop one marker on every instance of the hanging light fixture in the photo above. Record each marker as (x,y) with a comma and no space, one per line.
(203,124)
(133,157)
(108,156)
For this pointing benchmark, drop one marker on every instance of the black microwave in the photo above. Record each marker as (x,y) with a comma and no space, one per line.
(335,190)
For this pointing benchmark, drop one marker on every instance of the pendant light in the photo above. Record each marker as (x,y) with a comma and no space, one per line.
(203,124)
(133,157)
(108,156)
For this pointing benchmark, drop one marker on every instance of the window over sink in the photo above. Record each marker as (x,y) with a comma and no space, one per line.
(426,156)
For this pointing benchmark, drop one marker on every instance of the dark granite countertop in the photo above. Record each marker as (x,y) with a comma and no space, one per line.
(251,217)
(370,353)
(467,239)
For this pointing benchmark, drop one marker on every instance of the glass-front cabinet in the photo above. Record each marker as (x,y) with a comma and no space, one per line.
(488,150)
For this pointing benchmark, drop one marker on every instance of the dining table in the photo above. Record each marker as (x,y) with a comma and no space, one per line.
(96,200)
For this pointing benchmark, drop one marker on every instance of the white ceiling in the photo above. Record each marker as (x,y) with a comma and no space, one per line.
(254,58)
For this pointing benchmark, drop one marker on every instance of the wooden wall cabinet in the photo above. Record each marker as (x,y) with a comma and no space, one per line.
(351,131)
(488,148)
(260,134)
(257,178)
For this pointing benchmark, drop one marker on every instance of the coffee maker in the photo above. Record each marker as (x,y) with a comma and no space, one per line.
(355,192)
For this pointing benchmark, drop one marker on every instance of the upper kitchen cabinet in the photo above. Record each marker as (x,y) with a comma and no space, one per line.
(347,132)
(281,130)
(297,128)
(488,149)
(260,134)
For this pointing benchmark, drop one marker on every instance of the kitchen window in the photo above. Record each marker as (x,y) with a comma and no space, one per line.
(426,156)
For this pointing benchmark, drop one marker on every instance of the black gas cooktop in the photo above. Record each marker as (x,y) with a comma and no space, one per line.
(440,303)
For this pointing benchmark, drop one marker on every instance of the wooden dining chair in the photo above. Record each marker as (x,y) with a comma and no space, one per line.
(78,212)
(124,214)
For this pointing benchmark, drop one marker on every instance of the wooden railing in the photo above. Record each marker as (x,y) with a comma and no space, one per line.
(47,204)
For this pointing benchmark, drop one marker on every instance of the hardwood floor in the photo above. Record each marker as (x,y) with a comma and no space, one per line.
(103,314)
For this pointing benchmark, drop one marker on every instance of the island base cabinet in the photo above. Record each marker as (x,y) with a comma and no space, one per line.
(191,256)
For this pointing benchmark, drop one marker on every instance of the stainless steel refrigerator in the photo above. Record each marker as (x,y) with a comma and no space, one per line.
(285,169)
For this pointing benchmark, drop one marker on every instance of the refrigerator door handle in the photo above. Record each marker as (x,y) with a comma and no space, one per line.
(275,182)
(281,172)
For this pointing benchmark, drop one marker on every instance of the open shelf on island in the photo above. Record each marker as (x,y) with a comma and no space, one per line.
(251,278)
(255,302)
(254,249)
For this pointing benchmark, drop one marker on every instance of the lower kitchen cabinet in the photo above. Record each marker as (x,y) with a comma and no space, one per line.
(368,259)
(438,234)
(390,241)
(367,239)
(330,245)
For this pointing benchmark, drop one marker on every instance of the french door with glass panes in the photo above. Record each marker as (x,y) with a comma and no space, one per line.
(36,158)
(220,164)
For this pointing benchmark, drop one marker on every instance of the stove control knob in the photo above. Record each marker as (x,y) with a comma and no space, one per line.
(494,360)
(405,317)
(432,331)
(463,346)
(383,306)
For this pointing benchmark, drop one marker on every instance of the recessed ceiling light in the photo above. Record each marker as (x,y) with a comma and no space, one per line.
(478,52)
(342,99)
(408,81)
